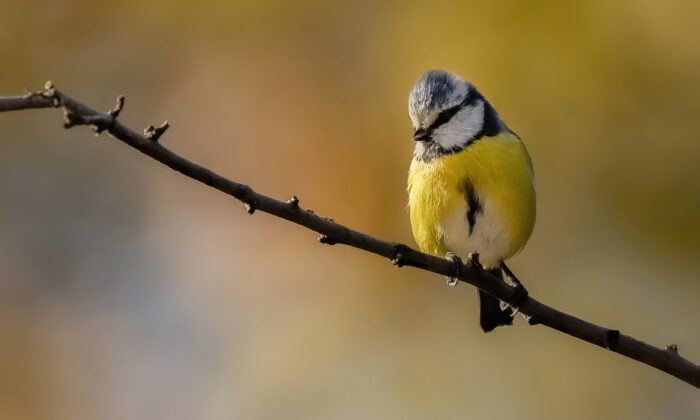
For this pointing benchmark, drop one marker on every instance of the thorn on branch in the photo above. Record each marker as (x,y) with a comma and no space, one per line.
(251,206)
(293,201)
(102,124)
(70,118)
(114,112)
(325,239)
(99,122)
(49,88)
(154,133)
(672,349)
(399,259)
(612,337)
(50,92)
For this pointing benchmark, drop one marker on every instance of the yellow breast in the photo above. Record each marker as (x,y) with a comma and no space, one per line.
(500,172)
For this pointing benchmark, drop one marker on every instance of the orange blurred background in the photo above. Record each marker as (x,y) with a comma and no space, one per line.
(129,291)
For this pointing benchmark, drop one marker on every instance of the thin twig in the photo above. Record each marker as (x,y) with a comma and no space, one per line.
(667,360)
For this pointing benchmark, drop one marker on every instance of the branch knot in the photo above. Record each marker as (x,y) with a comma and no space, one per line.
(293,201)
(251,206)
(612,337)
(50,93)
(153,133)
(399,255)
(114,112)
(325,239)
(70,118)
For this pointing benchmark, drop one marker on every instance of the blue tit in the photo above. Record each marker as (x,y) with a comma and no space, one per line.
(470,184)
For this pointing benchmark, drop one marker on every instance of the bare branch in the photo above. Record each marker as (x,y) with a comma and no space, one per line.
(667,360)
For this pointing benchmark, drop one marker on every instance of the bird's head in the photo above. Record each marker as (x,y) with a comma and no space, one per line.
(447,113)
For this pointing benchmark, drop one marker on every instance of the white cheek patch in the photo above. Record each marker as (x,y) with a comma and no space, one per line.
(462,126)
(420,149)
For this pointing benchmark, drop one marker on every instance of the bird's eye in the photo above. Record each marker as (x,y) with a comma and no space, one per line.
(446,115)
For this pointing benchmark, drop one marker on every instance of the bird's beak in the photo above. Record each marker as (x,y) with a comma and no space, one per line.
(421,135)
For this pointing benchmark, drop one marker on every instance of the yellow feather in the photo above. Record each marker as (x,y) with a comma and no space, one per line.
(500,171)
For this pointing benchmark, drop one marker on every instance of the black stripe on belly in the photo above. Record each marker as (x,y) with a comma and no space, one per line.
(473,205)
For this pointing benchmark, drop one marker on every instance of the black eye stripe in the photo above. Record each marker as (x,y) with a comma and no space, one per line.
(447,114)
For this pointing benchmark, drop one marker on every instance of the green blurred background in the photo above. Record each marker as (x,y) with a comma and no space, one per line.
(129,291)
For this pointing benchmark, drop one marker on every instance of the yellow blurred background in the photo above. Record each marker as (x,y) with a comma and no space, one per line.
(128,291)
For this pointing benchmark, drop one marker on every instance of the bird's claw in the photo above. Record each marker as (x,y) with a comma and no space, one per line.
(473,261)
(454,280)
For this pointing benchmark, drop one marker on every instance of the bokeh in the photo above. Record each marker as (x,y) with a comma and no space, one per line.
(128,291)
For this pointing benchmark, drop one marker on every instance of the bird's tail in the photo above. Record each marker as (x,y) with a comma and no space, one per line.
(491,314)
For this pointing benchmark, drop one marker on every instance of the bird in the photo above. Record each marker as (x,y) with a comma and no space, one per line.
(470,183)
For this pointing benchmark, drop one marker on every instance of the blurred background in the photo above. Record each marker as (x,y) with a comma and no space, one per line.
(130,291)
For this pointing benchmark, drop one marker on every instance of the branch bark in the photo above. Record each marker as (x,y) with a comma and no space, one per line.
(75,113)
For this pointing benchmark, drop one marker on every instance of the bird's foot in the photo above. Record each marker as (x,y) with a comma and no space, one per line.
(510,276)
(520,298)
(520,294)
(454,280)
(520,290)
(473,261)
